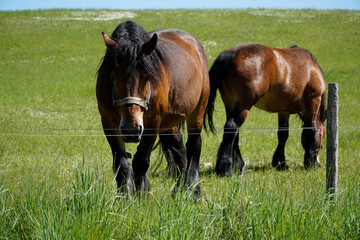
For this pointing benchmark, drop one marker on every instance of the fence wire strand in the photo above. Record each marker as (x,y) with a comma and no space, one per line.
(219,131)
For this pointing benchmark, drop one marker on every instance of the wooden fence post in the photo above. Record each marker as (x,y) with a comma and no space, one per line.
(332,141)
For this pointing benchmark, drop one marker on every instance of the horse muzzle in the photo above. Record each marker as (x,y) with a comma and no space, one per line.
(131,134)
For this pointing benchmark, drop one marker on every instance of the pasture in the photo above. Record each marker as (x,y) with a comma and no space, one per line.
(56,179)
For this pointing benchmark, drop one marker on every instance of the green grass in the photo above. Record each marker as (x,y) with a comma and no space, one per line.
(56,179)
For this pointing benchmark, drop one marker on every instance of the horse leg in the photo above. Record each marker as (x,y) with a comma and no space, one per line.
(238,161)
(193,150)
(121,165)
(226,150)
(308,140)
(278,160)
(308,136)
(175,153)
(141,162)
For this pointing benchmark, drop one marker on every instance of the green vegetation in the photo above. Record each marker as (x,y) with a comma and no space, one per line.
(56,179)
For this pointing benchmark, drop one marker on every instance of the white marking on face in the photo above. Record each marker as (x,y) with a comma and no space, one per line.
(138,121)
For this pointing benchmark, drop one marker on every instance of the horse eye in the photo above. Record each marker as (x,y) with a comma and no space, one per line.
(147,78)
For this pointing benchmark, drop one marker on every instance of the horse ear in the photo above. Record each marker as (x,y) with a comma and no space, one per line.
(149,45)
(110,44)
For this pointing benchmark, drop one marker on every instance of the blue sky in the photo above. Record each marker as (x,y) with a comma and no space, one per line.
(7,5)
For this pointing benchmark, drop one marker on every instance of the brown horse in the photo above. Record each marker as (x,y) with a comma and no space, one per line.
(283,81)
(148,84)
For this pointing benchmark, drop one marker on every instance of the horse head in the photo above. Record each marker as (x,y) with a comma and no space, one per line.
(307,138)
(131,87)
(320,131)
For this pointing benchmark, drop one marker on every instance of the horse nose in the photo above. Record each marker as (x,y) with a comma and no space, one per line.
(131,134)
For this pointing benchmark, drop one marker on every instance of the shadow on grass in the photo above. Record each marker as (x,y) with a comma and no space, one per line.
(255,168)
(269,167)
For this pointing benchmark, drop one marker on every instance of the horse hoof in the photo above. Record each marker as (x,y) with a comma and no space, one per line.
(223,172)
(239,166)
(312,165)
(223,168)
(196,193)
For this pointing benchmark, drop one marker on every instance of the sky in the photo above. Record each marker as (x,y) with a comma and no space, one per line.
(11,5)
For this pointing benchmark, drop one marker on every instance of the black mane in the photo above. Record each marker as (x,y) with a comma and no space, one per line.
(130,38)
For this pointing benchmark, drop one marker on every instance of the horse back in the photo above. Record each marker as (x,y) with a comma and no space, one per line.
(272,79)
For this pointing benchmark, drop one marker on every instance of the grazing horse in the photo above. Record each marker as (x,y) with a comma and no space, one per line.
(148,84)
(283,81)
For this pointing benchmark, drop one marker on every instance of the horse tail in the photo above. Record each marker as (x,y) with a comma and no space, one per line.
(217,73)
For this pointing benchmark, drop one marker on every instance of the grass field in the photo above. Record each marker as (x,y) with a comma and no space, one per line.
(56,179)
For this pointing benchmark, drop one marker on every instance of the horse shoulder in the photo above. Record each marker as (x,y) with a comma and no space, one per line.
(185,68)
(317,82)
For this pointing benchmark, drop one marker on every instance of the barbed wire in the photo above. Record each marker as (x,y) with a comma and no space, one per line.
(10,132)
